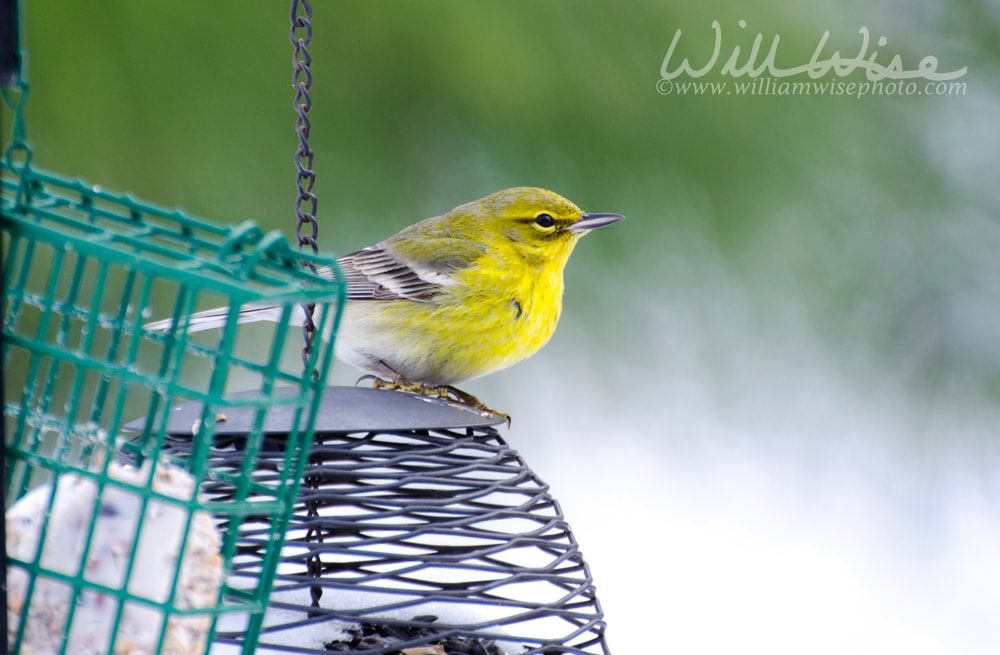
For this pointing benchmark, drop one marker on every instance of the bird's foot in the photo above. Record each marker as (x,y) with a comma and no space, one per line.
(444,391)
(448,391)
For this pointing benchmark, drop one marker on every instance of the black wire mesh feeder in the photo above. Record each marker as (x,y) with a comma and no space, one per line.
(418,530)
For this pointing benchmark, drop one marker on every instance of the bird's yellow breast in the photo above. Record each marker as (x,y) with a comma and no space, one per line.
(487,319)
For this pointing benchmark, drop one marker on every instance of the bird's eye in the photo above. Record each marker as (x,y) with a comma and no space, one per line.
(545,221)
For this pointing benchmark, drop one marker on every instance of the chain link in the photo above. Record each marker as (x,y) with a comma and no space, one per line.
(306,227)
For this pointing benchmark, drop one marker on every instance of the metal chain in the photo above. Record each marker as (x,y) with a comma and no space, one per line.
(305,201)
(305,213)
(17,155)
(15,98)
(14,85)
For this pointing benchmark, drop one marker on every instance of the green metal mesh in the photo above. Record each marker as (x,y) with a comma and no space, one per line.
(84,271)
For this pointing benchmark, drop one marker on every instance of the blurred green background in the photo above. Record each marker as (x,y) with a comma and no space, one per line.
(772,408)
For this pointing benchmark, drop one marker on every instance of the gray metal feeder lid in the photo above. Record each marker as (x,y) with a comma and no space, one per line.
(342,409)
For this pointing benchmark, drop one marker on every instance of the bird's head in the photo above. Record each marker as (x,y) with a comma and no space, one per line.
(540,225)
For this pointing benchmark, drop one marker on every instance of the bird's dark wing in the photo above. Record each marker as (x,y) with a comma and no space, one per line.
(376,274)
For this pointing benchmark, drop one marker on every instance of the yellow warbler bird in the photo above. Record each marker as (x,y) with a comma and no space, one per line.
(453,297)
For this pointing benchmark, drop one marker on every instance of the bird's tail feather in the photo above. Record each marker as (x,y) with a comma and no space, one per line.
(216,318)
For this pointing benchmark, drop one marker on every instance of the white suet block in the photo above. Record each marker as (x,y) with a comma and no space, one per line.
(106,562)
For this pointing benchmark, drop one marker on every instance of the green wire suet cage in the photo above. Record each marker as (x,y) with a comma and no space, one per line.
(88,508)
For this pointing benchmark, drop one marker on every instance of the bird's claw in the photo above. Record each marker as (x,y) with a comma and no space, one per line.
(444,391)
(364,378)
(461,397)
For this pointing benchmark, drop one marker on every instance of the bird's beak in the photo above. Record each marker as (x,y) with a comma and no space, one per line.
(593,221)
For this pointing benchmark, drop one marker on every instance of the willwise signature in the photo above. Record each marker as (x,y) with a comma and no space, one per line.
(816,67)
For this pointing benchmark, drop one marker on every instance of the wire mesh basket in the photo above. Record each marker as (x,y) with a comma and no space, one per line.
(418,531)
(111,546)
